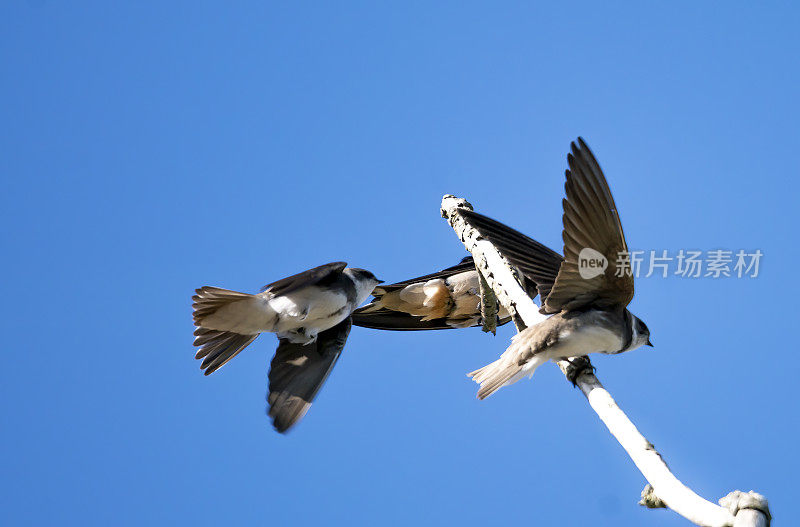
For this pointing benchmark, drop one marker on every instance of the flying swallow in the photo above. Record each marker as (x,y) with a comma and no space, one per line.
(445,300)
(588,307)
(310,314)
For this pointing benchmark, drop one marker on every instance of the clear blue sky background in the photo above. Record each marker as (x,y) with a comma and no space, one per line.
(149,149)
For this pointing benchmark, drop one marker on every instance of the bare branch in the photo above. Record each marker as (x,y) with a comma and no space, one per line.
(667,490)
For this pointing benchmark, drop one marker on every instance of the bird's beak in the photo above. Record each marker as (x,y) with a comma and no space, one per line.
(649,343)
(381,281)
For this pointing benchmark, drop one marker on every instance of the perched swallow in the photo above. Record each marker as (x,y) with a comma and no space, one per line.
(309,312)
(444,300)
(589,314)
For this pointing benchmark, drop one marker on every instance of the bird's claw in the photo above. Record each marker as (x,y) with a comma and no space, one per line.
(576,367)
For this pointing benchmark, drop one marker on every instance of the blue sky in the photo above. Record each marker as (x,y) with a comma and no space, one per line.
(148,149)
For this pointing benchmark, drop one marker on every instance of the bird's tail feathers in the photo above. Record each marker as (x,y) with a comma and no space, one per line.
(494,376)
(218,347)
(508,369)
(208,300)
(225,310)
(227,323)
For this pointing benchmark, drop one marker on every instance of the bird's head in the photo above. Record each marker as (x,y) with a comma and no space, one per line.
(640,333)
(364,281)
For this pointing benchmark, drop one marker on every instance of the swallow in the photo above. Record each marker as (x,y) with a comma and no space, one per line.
(310,314)
(447,299)
(586,298)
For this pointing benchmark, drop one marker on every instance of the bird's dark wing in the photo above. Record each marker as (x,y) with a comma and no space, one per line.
(591,221)
(321,274)
(298,372)
(398,321)
(537,262)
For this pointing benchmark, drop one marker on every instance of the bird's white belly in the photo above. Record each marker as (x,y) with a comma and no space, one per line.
(590,339)
(309,308)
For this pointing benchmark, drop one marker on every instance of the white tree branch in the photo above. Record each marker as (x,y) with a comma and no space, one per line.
(667,489)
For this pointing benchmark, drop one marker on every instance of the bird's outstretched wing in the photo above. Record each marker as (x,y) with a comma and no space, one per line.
(388,319)
(538,263)
(298,372)
(591,221)
(317,275)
